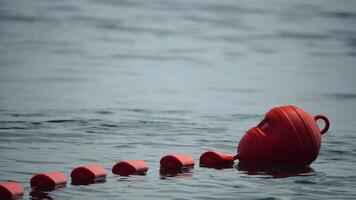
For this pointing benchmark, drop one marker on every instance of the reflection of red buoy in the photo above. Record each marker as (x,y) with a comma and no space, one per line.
(88,174)
(286,136)
(275,171)
(48,181)
(128,167)
(177,161)
(216,159)
(10,190)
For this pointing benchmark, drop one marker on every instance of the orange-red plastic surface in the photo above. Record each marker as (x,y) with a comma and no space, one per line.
(88,174)
(177,161)
(48,181)
(10,190)
(129,167)
(286,136)
(215,159)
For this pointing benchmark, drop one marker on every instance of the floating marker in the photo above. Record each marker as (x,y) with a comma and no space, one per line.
(129,167)
(48,181)
(10,190)
(177,162)
(88,174)
(216,159)
(286,136)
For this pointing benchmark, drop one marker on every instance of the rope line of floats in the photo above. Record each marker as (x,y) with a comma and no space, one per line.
(89,174)
(286,136)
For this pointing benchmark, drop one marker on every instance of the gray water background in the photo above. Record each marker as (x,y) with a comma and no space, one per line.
(85,82)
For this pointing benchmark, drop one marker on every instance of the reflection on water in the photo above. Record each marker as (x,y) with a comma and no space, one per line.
(88,182)
(219,166)
(36,195)
(263,171)
(179,173)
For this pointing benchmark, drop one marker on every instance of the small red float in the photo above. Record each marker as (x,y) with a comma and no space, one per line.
(216,159)
(88,174)
(129,167)
(177,162)
(48,181)
(10,190)
(286,136)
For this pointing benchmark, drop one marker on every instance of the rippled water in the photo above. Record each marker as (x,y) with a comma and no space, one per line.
(85,82)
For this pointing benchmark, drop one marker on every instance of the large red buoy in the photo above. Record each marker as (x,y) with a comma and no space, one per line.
(286,136)
(10,190)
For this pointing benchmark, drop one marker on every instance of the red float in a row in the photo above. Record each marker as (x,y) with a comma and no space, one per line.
(177,162)
(10,190)
(129,167)
(48,181)
(88,174)
(216,159)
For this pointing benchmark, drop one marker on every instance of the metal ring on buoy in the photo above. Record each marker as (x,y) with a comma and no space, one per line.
(326,121)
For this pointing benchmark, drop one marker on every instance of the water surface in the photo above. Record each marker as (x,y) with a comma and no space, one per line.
(96,81)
